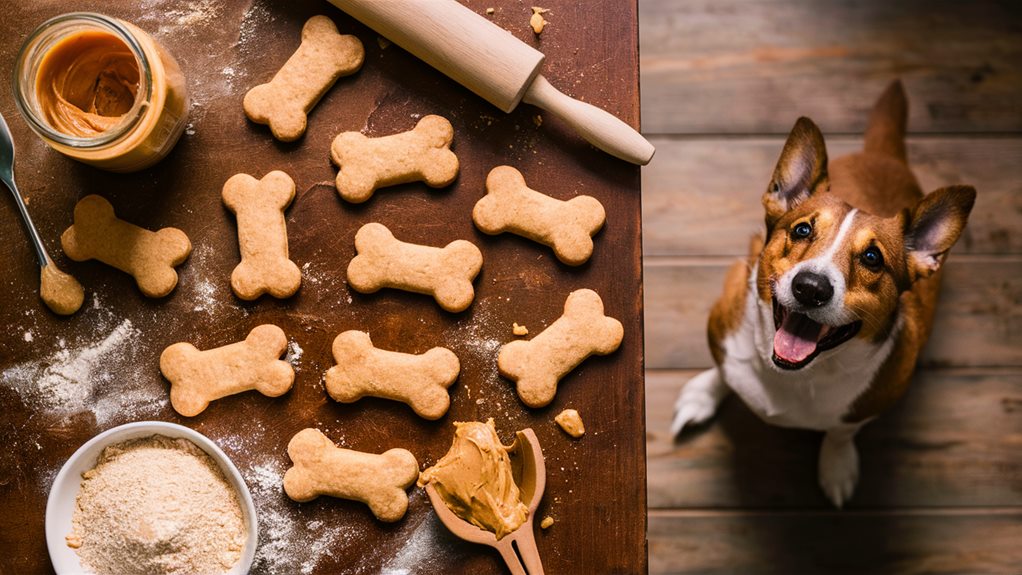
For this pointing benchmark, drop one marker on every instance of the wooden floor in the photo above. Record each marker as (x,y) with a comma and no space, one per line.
(722,83)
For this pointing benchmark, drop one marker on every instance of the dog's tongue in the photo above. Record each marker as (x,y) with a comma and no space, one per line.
(796,337)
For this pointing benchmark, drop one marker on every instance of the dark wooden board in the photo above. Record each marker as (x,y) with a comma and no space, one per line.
(741,67)
(702,195)
(908,542)
(596,486)
(951,442)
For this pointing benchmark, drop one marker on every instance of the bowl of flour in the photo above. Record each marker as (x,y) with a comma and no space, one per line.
(150,497)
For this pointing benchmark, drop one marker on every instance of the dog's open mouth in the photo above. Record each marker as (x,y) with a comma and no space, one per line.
(799,339)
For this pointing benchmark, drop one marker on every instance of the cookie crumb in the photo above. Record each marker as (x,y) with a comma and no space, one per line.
(73,541)
(538,120)
(519,329)
(490,10)
(571,422)
(546,523)
(537,21)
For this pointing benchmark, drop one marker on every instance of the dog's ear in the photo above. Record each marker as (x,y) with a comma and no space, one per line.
(800,172)
(933,227)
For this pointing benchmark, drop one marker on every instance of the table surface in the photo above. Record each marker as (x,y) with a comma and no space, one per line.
(62,380)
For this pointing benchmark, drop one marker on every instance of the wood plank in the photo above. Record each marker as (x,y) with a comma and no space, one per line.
(905,543)
(737,66)
(953,441)
(701,196)
(978,323)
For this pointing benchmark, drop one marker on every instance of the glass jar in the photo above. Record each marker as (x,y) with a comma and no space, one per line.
(101,91)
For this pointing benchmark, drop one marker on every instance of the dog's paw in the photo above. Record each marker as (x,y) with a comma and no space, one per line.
(698,400)
(839,469)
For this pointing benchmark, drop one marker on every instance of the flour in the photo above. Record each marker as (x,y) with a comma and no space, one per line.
(285,541)
(419,550)
(97,378)
(294,354)
(157,505)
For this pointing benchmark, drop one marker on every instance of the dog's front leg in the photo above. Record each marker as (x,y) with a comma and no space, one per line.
(698,400)
(839,464)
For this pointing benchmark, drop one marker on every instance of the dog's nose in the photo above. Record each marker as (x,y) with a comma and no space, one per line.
(811,289)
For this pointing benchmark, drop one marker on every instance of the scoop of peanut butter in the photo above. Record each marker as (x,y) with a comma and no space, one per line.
(475,480)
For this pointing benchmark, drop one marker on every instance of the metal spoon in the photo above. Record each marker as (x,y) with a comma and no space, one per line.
(59,291)
(518,548)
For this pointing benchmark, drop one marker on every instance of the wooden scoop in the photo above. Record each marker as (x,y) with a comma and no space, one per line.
(491,62)
(518,548)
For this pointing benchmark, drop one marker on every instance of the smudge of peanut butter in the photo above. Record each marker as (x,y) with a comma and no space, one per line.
(537,21)
(60,292)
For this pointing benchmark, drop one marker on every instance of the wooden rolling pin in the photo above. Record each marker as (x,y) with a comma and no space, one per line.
(491,62)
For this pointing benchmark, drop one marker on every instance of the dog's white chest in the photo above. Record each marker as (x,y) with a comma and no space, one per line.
(814,397)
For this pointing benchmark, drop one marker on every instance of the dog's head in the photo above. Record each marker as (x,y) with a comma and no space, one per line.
(833,273)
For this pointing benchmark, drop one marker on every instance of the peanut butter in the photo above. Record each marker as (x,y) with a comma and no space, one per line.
(475,480)
(87,83)
(60,292)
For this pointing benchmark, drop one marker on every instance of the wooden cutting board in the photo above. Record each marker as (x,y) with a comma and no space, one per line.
(64,380)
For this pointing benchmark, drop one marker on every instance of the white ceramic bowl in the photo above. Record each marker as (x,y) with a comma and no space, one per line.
(61,503)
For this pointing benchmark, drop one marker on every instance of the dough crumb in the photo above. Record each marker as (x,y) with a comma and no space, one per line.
(571,422)
(490,10)
(538,120)
(519,329)
(73,541)
(537,21)
(546,523)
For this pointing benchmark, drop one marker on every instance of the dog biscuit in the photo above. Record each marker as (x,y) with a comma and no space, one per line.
(262,235)
(321,468)
(445,273)
(538,364)
(148,256)
(421,381)
(421,154)
(323,56)
(511,206)
(199,377)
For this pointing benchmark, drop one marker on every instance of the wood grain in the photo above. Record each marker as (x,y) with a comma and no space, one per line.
(978,322)
(741,67)
(702,195)
(967,456)
(905,542)
(224,49)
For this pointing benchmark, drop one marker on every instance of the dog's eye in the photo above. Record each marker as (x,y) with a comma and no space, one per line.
(872,258)
(775,187)
(802,231)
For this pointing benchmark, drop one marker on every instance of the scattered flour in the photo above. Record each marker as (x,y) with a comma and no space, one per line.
(420,548)
(294,354)
(96,377)
(28,336)
(284,541)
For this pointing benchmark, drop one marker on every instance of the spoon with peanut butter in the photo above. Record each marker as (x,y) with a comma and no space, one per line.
(60,292)
(487,493)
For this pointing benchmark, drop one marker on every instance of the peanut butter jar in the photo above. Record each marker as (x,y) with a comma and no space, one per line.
(101,91)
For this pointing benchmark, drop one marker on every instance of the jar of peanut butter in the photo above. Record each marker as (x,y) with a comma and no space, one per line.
(101,91)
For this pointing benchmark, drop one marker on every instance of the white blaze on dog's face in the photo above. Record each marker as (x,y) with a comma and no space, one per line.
(831,272)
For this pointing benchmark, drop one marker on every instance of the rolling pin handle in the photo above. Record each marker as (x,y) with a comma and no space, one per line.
(599,127)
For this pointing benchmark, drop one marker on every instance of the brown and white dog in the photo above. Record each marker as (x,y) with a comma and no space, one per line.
(821,327)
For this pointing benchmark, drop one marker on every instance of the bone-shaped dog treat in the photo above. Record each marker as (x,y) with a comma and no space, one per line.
(321,468)
(421,381)
(148,256)
(421,154)
(199,377)
(262,235)
(538,364)
(322,58)
(511,206)
(384,261)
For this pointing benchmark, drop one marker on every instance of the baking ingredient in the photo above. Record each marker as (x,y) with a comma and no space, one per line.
(156,505)
(519,329)
(60,291)
(571,422)
(87,83)
(547,522)
(475,480)
(537,21)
